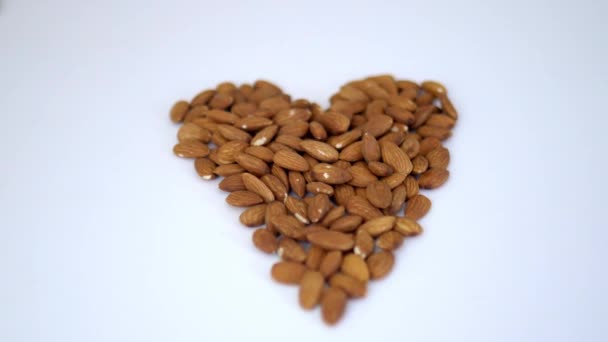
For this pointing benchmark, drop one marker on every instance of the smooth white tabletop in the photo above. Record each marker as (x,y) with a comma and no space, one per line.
(106,236)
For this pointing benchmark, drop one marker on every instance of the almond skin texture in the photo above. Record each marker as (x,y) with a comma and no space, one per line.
(311,288)
(255,185)
(364,244)
(252,164)
(354,266)
(332,240)
(380,264)
(378,225)
(179,110)
(379,194)
(353,287)
(243,199)
(333,304)
(290,161)
(395,157)
(330,263)
(433,178)
(253,216)
(191,149)
(289,226)
(314,256)
(407,227)
(288,272)
(439,158)
(320,150)
(361,207)
(265,241)
(417,207)
(330,174)
(290,250)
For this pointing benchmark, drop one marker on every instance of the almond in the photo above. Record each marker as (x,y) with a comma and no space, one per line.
(334,122)
(334,214)
(370,149)
(332,240)
(353,287)
(190,131)
(343,193)
(410,146)
(330,174)
(411,186)
(221,116)
(273,209)
(204,167)
(433,87)
(419,165)
(232,133)
(433,178)
(203,97)
(346,223)
(319,188)
(417,207)
(399,195)
(407,227)
(290,250)
(320,150)
(442,121)
(252,164)
(379,194)
(330,263)
(191,149)
(290,161)
(179,110)
(380,169)
(297,128)
(439,157)
(298,208)
(253,216)
(353,265)
(436,132)
(228,170)
(448,107)
(261,152)
(345,139)
(243,199)
(226,154)
(379,125)
(428,144)
(288,225)
(361,175)
(317,130)
(389,241)
(380,264)
(265,136)
(255,185)
(275,185)
(378,225)
(288,272)
(297,183)
(393,156)
(314,257)
(361,207)
(265,241)
(232,183)
(311,288)
(364,243)
(333,304)
(319,207)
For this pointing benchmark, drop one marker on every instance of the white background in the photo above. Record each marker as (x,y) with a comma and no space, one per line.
(106,236)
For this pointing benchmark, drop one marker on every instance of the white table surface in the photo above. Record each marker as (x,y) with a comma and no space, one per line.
(106,236)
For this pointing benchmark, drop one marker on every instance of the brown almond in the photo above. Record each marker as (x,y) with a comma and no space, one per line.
(253,216)
(439,158)
(332,240)
(297,183)
(433,178)
(380,169)
(190,131)
(320,150)
(246,110)
(265,136)
(448,107)
(395,157)
(333,304)
(364,244)
(243,198)
(411,186)
(320,188)
(318,208)
(411,146)
(353,265)
(232,133)
(417,207)
(252,164)
(286,116)
(311,288)
(298,208)
(370,149)
(260,152)
(203,97)
(379,194)
(255,185)
(330,174)
(378,125)
(273,209)
(431,131)
(378,225)
(228,170)
(314,256)
(204,167)
(380,264)
(330,263)
(179,110)
(343,193)
(361,207)
(353,287)
(265,241)
(297,128)
(290,161)
(317,130)
(288,272)
(290,250)
(347,223)
(428,144)
(352,152)
(334,122)
(289,226)
(407,227)
(252,123)
(361,175)
(399,195)
(232,183)
(419,165)
(333,214)
(279,190)
(422,114)
(344,139)
(389,241)
(191,149)
(221,116)
(226,154)
(439,120)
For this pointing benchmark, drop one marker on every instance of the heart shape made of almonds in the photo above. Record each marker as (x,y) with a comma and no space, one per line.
(333,192)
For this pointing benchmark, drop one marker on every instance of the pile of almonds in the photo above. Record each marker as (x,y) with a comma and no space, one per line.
(327,187)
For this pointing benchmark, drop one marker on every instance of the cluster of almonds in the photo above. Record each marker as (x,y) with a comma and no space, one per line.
(328,186)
